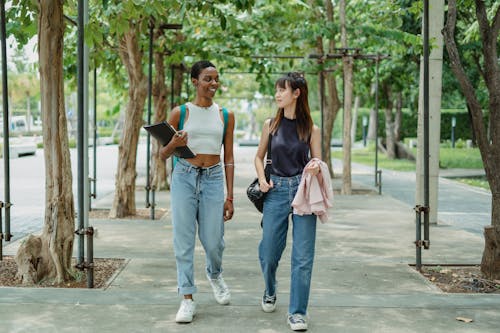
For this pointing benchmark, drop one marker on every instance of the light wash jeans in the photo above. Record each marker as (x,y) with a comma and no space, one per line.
(277,208)
(197,201)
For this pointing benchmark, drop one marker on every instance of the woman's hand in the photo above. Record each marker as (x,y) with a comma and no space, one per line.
(178,140)
(228,210)
(313,169)
(264,186)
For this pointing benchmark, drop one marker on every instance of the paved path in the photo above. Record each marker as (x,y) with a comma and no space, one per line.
(363,280)
(459,206)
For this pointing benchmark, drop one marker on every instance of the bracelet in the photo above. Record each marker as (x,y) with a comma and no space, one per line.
(229,165)
(230,199)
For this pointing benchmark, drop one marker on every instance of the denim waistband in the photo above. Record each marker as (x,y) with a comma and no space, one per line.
(293,180)
(190,166)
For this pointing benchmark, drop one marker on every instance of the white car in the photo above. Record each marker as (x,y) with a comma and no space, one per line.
(22,146)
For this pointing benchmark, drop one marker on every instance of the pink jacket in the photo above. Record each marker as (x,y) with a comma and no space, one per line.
(314,194)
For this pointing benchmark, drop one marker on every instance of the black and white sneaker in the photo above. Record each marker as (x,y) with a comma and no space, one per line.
(268,303)
(297,322)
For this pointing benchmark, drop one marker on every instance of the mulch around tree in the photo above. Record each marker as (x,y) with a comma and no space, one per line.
(105,270)
(460,279)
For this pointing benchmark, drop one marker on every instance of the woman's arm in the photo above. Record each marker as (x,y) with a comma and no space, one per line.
(315,146)
(316,142)
(260,155)
(229,166)
(177,140)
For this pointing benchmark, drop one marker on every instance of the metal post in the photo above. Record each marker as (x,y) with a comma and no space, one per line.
(94,182)
(81,135)
(90,257)
(426,124)
(453,124)
(172,73)
(379,181)
(322,111)
(418,236)
(6,123)
(1,233)
(148,144)
(376,118)
(364,124)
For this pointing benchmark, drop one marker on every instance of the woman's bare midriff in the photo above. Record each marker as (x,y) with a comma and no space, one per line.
(204,160)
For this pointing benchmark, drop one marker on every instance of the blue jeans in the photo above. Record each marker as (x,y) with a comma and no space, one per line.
(197,201)
(277,208)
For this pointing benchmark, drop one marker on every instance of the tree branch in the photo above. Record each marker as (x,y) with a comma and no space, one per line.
(463,80)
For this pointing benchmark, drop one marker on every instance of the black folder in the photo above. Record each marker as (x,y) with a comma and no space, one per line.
(163,132)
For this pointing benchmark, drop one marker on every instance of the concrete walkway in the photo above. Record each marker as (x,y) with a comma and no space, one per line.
(363,280)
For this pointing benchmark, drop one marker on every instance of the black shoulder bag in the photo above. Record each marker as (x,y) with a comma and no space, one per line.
(254,193)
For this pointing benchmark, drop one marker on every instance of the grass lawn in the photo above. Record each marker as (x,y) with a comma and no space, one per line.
(449,158)
(366,156)
(475,181)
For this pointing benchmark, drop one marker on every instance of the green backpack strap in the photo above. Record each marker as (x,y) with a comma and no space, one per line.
(179,127)
(181,119)
(225,115)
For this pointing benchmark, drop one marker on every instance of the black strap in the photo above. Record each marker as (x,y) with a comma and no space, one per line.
(269,161)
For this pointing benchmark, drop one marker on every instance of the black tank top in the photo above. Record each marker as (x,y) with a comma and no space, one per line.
(289,154)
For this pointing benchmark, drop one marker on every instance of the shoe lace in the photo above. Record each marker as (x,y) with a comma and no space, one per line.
(221,285)
(269,299)
(185,308)
(297,318)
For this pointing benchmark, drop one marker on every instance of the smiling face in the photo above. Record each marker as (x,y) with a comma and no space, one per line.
(207,83)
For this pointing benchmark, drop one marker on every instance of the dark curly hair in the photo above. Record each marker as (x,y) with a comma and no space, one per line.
(199,66)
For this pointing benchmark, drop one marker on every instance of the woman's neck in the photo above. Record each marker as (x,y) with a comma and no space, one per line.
(203,102)
(289,112)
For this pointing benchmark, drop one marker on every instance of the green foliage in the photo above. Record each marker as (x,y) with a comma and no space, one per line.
(475,181)
(366,156)
(467,158)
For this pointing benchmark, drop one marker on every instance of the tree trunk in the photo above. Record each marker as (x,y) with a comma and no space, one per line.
(390,143)
(131,55)
(331,101)
(490,264)
(488,146)
(333,106)
(159,92)
(48,256)
(398,119)
(354,121)
(372,125)
(177,84)
(347,62)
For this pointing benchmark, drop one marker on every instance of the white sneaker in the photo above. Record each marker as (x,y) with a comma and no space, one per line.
(221,291)
(268,303)
(186,312)
(297,322)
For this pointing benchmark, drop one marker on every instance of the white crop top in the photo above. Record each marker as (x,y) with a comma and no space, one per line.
(205,128)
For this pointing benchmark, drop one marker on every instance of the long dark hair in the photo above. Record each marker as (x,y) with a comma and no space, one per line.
(296,80)
(198,67)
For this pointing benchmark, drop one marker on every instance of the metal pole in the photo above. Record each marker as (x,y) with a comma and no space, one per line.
(172,73)
(94,182)
(418,241)
(6,123)
(148,144)
(90,257)
(81,136)
(453,124)
(376,119)
(426,124)
(322,111)
(1,233)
